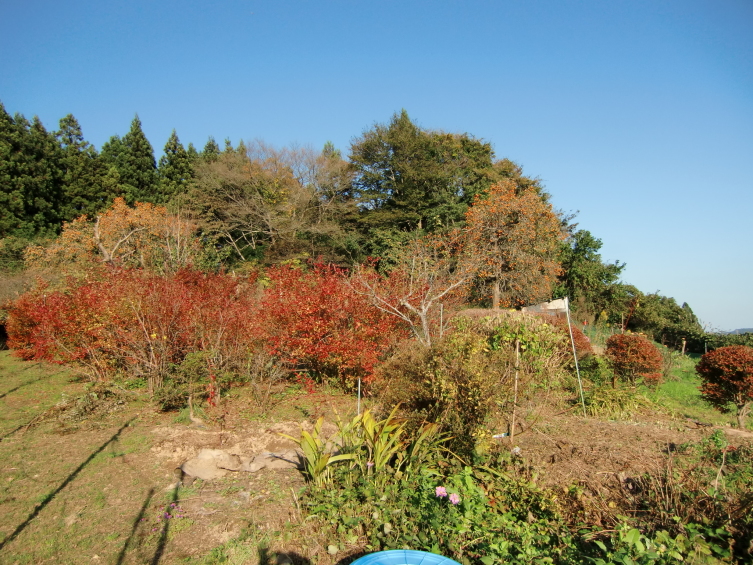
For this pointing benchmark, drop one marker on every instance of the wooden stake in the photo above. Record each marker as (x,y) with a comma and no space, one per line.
(515,394)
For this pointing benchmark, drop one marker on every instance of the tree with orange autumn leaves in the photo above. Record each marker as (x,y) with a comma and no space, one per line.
(145,236)
(514,237)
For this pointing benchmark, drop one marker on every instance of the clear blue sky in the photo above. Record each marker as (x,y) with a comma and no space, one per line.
(639,114)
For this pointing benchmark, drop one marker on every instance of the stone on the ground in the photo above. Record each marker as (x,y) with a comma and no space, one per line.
(205,465)
(215,463)
(289,459)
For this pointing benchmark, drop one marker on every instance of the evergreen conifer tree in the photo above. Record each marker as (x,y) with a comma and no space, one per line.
(112,158)
(241,149)
(11,195)
(175,170)
(84,183)
(193,155)
(137,166)
(30,177)
(211,151)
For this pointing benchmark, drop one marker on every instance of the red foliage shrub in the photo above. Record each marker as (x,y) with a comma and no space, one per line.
(314,319)
(135,321)
(582,343)
(727,375)
(144,324)
(632,356)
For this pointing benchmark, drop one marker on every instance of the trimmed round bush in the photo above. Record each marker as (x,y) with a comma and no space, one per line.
(727,375)
(632,357)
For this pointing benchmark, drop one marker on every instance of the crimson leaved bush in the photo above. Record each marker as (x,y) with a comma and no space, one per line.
(136,322)
(727,375)
(144,324)
(632,356)
(314,320)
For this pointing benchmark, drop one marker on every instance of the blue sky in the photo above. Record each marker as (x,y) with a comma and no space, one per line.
(638,114)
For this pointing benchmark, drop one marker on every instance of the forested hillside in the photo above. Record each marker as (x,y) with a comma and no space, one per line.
(248,206)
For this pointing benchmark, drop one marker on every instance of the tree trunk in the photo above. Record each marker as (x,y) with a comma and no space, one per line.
(496,294)
(742,412)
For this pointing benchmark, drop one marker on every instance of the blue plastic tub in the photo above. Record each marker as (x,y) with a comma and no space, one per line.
(404,557)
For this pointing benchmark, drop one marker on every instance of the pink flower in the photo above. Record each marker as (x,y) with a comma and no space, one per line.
(441,491)
(454,498)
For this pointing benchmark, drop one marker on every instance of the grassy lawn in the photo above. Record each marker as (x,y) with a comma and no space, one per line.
(66,497)
(681,394)
(95,489)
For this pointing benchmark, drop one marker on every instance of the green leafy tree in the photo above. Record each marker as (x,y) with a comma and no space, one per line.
(112,152)
(241,149)
(211,151)
(407,178)
(192,154)
(31,177)
(175,170)
(667,322)
(11,190)
(585,278)
(113,157)
(505,169)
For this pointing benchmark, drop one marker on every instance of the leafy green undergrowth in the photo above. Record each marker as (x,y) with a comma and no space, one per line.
(491,509)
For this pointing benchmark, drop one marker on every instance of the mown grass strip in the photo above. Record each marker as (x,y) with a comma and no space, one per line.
(48,498)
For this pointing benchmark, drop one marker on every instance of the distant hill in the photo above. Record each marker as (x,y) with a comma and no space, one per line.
(742,331)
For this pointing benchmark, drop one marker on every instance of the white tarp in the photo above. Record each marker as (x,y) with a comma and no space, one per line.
(559,306)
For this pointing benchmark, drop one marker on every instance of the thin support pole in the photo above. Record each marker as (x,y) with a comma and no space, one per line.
(441,320)
(359,396)
(575,356)
(515,394)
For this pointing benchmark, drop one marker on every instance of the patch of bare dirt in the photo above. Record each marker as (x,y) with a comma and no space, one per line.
(567,449)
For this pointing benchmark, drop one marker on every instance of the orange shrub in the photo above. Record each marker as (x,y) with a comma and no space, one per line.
(632,356)
(727,375)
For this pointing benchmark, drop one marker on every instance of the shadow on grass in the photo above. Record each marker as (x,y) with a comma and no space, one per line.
(6,393)
(13,431)
(281,558)
(165,526)
(48,498)
(136,523)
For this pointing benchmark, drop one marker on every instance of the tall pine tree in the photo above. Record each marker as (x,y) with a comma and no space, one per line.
(85,185)
(211,151)
(31,178)
(193,155)
(11,192)
(175,170)
(133,158)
